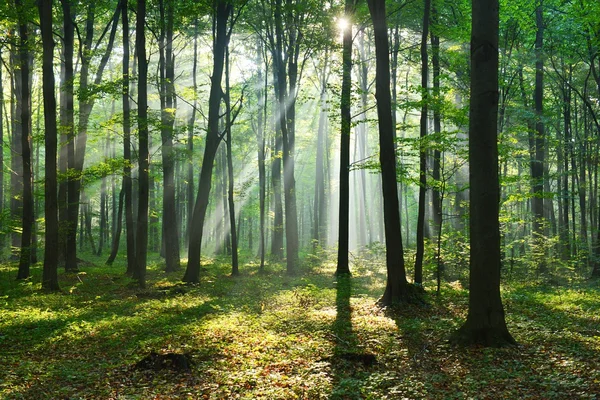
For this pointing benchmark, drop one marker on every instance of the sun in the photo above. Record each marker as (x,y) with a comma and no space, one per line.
(342,24)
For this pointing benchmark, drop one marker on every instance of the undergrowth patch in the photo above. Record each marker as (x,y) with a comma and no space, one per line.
(274,336)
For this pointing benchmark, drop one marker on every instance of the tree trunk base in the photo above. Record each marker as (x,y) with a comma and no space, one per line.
(468,335)
(405,294)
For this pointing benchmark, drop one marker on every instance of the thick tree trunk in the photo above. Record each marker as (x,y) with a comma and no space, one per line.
(485,324)
(397,288)
(213,138)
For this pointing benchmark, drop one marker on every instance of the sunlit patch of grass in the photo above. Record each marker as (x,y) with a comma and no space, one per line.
(276,336)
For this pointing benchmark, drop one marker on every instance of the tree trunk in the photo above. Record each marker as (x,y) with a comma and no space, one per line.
(397,289)
(190,139)
(485,324)
(228,123)
(537,168)
(437,125)
(346,126)
(127,181)
(422,150)
(141,245)
(213,138)
(260,136)
(119,226)
(16,159)
(2,237)
(167,94)
(25,119)
(50,270)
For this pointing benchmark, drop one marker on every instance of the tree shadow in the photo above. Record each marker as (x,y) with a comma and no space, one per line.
(350,364)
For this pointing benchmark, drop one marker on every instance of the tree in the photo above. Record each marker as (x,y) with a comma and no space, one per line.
(167,97)
(213,138)
(397,288)
(25,119)
(141,245)
(346,124)
(50,276)
(485,324)
(422,150)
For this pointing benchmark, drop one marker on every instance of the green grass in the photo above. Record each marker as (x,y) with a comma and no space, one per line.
(275,336)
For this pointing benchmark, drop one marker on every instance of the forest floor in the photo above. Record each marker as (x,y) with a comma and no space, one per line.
(274,336)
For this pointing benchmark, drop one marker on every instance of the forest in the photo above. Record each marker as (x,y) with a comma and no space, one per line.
(299,199)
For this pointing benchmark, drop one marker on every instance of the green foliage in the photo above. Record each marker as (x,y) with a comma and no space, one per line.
(275,336)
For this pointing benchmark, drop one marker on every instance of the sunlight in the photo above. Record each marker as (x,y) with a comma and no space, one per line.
(342,24)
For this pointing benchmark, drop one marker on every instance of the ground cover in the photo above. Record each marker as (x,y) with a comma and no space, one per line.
(274,336)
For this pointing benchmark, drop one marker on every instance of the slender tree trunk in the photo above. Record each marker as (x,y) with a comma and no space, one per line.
(437,124)
(319,232)
(167,92)
(422,150)
(127,181)
(396,286)
(103,205)
(16,160)
(2,237)
(25,118)
(213,138)
(277,236)
(346,126)
(118,228)
(190,139)
(538,162)
(141,246)
(228,123)
(50,271)
(260,134)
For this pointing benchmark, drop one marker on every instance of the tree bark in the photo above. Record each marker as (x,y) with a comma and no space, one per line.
(422,150)
(127,181)
(141,246)
(346,125)
(397,288)
(25,119)
(230,186)
(485,324)
(167,94)
(213,138)
(50,270)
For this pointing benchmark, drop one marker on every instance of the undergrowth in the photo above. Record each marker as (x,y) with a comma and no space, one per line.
(274,336)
